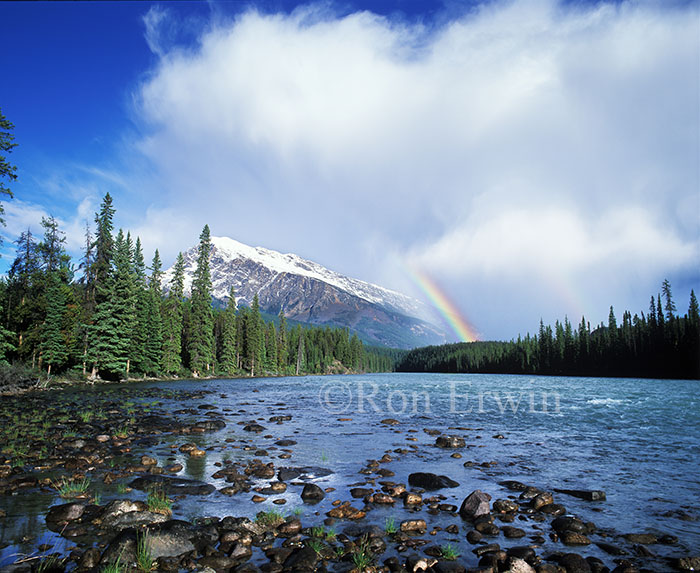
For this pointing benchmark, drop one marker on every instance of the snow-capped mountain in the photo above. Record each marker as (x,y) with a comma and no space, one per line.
(310,293)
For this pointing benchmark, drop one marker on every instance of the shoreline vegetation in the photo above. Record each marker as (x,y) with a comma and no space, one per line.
(659,344)
(117,320)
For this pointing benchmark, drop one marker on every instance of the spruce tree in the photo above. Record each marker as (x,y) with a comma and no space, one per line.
(139,330)
(282,344)
(201,342)
(171,361)
(255,337)
(669,306)
(228,335)
(154,319)
(53,345)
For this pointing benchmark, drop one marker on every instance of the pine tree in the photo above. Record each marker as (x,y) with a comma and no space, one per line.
(693,311)
(201,343)
(228,335)
(7,170)
(53,344)
(154,319)
(171,361)
(255,336)
(139,332)
(282,344)
(669,306)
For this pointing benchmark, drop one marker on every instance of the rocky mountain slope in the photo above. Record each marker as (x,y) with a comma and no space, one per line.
(310,293)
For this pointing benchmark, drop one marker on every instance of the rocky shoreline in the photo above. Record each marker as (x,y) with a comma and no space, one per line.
(73,449)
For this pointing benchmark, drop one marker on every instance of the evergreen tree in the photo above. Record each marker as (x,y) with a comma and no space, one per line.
(201,343)
(282,344)
(53,344)
(255,336)
(228,335)
(669,306)
(154,319)
(693,311)
(171,361)
(7,170)
(139,332)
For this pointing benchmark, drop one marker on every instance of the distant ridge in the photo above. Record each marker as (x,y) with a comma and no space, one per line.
(310,293)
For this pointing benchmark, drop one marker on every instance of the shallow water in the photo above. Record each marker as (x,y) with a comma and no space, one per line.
(638,440)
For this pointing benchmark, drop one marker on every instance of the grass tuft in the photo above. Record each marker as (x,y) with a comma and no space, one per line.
(269,518)
(68,488)
(390,525)
(158,502)
(449,553)
(144,558)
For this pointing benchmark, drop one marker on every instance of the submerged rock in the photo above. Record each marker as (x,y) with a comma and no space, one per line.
(172,485)
(312,493)
(430,481)
(589,495)
(450,442)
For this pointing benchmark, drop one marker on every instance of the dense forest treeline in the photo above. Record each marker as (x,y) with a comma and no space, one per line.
(118,320)
(660,344)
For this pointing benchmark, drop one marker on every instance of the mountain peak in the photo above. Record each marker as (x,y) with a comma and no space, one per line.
(308,292)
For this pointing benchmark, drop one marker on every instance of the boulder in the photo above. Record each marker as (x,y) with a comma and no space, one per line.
(430,481)
(475,505)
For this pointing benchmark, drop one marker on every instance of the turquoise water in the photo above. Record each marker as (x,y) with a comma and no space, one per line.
(638,440)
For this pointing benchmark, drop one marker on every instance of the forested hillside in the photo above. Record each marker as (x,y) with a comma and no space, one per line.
(109,317)
(660,344)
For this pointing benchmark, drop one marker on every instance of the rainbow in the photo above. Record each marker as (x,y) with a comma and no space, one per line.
(449,311)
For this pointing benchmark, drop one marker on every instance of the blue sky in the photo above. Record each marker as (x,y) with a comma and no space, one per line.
(535,158)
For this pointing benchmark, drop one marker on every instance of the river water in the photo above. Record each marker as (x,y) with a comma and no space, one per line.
(637,440)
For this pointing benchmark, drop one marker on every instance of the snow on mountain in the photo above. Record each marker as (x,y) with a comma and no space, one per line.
(308,292)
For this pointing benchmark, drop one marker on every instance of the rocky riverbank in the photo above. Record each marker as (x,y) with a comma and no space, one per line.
(109,465)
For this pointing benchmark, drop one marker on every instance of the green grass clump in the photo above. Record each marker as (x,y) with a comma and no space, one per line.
(316,545)
(318,531)
(50,563)
(67,488)
(449,553)
(270,518)
(115,567)
(158,502)
(144,558)
(390,525)
(362,555)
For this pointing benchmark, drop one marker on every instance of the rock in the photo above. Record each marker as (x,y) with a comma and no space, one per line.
(589,495)
(241,552)
(289,528)
(574,563)
(611,549)
(414,526)
(505,506)
(89,559)
(281,418)
(210,425)
(522,552)
(171,539)
(542,499)
(568,523)
(430,481)
(450,442)
(304,558)
(474,537)
(381,498)
(574,538)
(449,567)
(172,485)
(257,428)
(285,443)
(512,532)
(346,511)
(513,485)
(689,563)
(415,563)
(474,505)
(359,492)
(643,538)
(65,513)
(312,493)
(390,422)
(484,549)
(219,563)
(553,509)
(148,461)
(412,499)
(516,565)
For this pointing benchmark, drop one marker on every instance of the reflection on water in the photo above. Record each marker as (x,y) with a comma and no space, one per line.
(595,440)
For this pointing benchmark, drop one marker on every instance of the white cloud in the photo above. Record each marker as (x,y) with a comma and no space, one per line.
(524,135)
